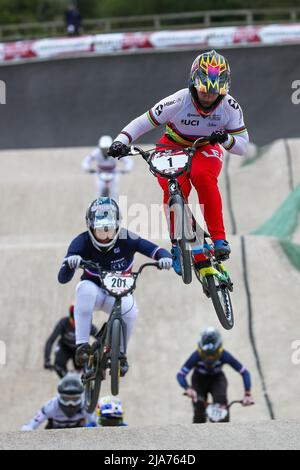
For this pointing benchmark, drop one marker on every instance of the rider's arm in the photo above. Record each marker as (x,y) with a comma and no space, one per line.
(236,365)
(37,421)
(89,159)
(190,364)
(238,138)
(151,250)
(127,164)
(161,113)
(77,247)
(57,332)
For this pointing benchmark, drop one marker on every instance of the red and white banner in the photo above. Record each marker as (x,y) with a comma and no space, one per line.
(158,40)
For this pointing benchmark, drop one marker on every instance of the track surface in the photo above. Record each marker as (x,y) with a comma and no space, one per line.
(45,196)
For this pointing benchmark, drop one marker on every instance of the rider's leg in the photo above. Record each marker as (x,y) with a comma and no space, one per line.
(100,186)
(115,188)
(85,301)
(219,392)
(86,296)
(200,384)
(206,167)
(62,357)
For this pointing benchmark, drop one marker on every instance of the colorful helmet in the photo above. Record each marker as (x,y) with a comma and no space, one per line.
(104,144)
(110,412)
(103,215)
(210,346)
(70,390)
(210,73)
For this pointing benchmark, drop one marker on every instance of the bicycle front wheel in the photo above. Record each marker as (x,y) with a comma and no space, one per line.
(221,300)
(115,357)
(185,261)
(92,388)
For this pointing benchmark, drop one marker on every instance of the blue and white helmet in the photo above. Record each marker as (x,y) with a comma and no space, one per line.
(111,407)
(103,219)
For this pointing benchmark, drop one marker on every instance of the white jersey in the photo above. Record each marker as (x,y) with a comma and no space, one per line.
(184,124)
(104,164)
(52,412)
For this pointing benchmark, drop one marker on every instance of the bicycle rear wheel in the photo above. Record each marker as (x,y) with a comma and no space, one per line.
(115,357)
(221,300)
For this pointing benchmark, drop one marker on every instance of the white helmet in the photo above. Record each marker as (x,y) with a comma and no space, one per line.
(104,144)
(103,216)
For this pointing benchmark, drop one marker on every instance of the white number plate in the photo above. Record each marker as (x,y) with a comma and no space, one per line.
(118,284)
(169,163)
(216,413)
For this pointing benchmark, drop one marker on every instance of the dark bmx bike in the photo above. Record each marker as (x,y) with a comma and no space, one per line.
(110,346)
(185,232)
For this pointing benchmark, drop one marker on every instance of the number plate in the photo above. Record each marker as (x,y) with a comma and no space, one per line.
(118,284)
(216,413)
(170,163)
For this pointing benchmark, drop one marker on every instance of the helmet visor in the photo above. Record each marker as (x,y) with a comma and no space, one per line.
(70,400)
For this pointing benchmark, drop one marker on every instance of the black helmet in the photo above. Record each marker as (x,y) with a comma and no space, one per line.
(70,390)
(210,345)
(210,73)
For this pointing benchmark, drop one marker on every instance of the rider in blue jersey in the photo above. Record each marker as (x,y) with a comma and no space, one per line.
(114,248)
(208,376)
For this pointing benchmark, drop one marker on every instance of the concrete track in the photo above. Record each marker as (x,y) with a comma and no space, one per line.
(281,435)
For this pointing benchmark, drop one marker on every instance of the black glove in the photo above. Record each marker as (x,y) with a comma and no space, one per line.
(118,149)
(47,365)
(218,137)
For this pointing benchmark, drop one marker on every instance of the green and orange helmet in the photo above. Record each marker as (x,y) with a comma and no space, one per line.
(210,73)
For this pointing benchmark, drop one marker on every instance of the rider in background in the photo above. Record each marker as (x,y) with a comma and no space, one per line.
(208,376)
(65,350)
(110,412)
(203,109)
(66,410)
(99,161)
(113,248)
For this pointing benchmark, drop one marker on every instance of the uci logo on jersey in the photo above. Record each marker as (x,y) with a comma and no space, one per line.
(190,122)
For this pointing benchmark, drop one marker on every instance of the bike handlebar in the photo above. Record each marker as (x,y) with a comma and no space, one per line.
(146,155)
(103,272)
(234,402)
(114,172)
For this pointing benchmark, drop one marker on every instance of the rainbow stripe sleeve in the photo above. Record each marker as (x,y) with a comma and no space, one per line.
(152,119)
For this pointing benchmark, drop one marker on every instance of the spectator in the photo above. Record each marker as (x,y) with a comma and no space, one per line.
(73,20)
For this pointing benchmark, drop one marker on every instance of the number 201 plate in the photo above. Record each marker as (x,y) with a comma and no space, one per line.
(118,284)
